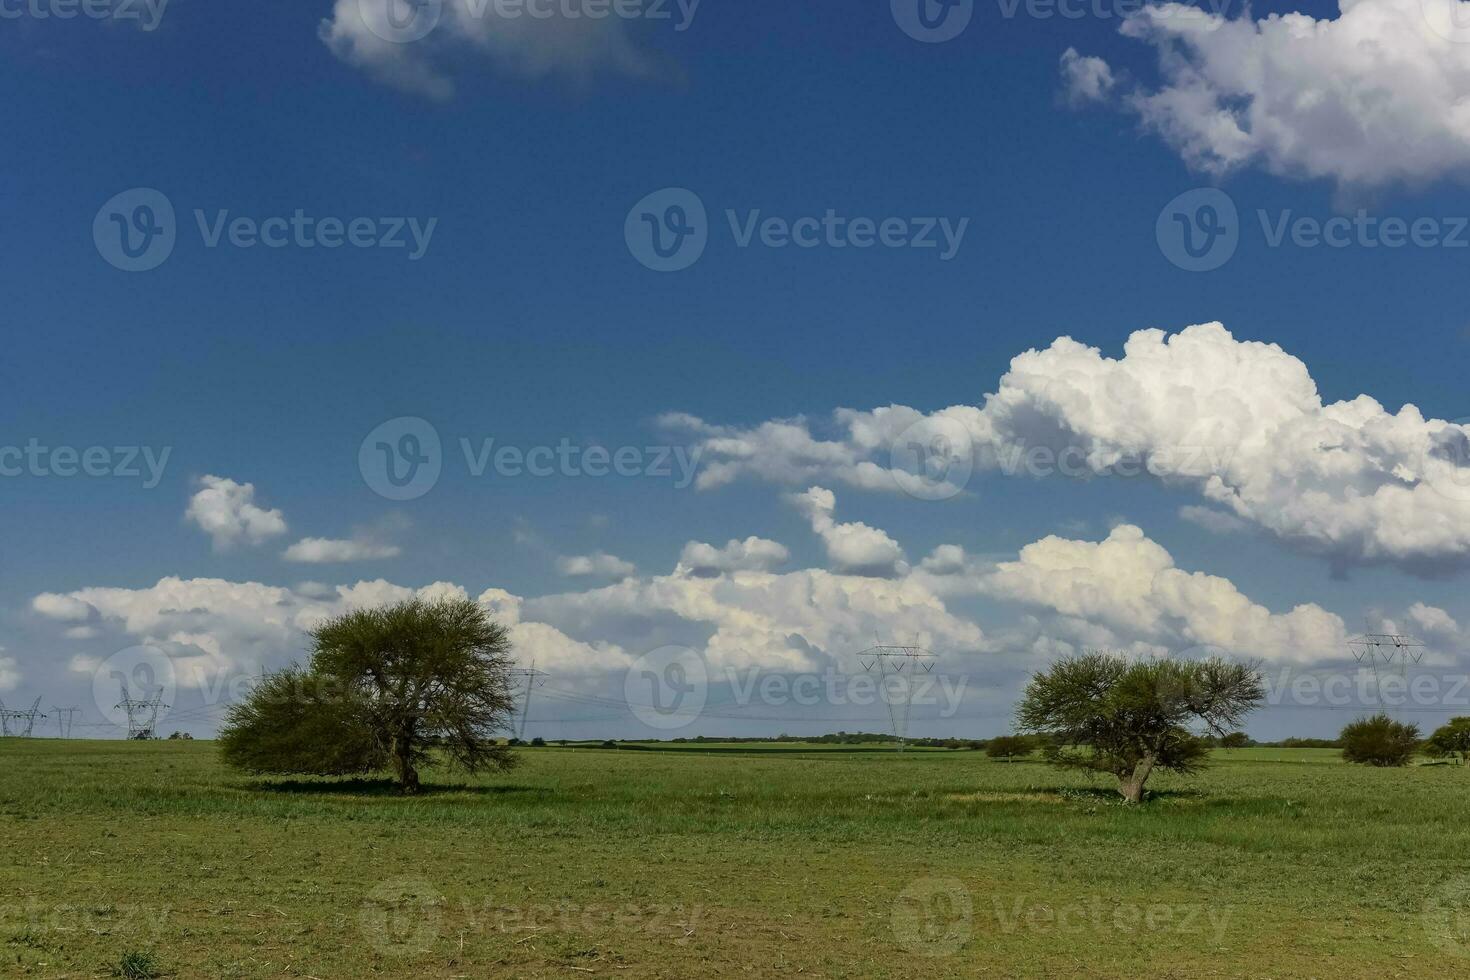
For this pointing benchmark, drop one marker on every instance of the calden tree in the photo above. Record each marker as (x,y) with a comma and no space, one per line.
(1107,713)
(385,689)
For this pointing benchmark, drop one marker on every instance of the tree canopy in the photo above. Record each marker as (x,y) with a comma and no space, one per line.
(1107,713)
(1451,740)
(385,688)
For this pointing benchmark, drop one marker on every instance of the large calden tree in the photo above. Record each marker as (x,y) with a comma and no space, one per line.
(385,689)
(1106,713)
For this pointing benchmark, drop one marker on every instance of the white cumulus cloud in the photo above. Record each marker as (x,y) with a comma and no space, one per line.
(510,38)
(227,512)
(853,549)
(1372,97)
(751,555)
(599,564)
(1242,423)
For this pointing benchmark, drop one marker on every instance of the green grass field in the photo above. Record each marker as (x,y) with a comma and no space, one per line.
(740,861)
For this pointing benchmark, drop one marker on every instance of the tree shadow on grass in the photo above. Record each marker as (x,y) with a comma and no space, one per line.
(360,787)
(1109,794)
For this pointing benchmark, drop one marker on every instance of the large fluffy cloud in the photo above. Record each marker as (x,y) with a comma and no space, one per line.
(1375,96)
(227,512)
(412,45)
(1240,422)
(1130,584)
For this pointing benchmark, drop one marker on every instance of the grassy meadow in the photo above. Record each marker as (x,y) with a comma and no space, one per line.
(740,861)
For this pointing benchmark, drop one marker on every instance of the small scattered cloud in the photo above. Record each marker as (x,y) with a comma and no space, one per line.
(227,512)
(598,564)
(1216,521)
(852,549)
(751,555)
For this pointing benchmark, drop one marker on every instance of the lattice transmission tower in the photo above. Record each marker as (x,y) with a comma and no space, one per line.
(64,718)
(524,680)
(1394,651)
(897,668)
(20,723)
(142,712)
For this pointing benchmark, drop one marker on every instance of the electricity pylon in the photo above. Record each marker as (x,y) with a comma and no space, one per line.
(896,667)
(529,679)
(24,721)
(64,718)
(142,714)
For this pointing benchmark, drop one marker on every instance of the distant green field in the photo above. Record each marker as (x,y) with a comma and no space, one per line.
(755,861)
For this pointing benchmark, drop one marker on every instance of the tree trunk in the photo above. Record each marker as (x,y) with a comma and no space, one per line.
(1132,787)
(408,776)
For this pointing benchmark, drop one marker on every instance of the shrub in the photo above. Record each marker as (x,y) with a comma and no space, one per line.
(1379,741)
(136,966)
(1009,747)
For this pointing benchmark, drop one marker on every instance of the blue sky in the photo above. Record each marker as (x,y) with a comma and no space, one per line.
(528,319)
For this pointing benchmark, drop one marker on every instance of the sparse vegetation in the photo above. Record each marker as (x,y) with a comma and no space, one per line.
(794,854)
(136,966)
